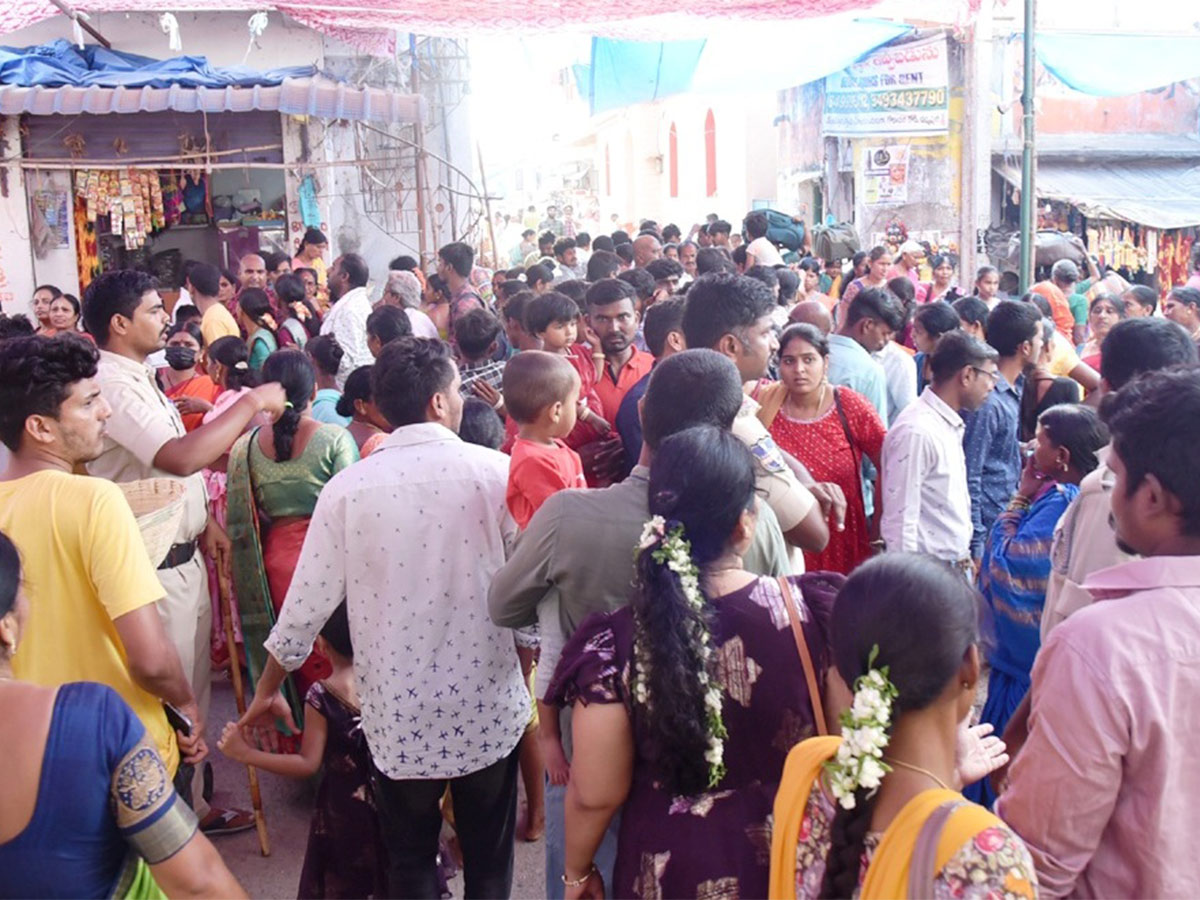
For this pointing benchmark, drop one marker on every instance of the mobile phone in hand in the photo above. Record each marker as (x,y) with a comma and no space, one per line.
(177,720)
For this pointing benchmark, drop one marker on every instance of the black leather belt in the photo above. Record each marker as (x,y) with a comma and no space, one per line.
(178,555)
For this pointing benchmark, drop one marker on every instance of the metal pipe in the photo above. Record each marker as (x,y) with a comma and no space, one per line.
(1028,200)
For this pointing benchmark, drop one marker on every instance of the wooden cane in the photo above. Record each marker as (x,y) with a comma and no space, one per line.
(235,666)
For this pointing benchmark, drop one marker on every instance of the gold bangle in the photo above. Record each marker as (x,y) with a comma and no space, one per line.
(579,881)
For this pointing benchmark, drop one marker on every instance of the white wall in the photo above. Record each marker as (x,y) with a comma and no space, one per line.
(638,141)
(16,263)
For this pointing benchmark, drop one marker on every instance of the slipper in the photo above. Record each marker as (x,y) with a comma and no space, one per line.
(226,821)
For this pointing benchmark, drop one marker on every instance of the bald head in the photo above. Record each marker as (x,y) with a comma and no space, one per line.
(646,249)
(812,312)
(252,271)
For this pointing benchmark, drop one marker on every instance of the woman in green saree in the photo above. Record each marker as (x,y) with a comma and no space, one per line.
(274,478)
(256,318)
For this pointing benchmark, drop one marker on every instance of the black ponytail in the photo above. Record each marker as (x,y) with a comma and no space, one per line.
(920,614)
(701,481)
(232,353)
(294,372)
(255,303)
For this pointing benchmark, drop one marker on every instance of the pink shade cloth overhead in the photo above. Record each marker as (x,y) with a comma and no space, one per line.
(353,20)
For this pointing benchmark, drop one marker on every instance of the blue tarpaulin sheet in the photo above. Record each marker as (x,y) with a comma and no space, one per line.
(1114,65)
(627,72)
(61,63)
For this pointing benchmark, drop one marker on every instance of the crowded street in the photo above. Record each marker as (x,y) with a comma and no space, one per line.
(586,450)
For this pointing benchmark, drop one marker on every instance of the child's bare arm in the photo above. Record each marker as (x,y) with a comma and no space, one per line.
(304,764)
(550,738)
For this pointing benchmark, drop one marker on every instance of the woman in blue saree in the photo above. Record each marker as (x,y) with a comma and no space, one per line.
(1016,560)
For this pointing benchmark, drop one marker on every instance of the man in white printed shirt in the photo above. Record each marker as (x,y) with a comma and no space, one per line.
(347,318)
(410,538)
(926,506)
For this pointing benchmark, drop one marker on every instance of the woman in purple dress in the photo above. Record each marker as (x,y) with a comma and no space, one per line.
(687,702)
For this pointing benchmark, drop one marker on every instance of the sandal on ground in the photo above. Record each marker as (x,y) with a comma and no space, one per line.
(226,821)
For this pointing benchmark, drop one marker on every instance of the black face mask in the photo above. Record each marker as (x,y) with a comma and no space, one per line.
(181,358)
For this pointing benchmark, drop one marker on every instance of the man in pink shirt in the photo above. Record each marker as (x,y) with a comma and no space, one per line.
(1104,791)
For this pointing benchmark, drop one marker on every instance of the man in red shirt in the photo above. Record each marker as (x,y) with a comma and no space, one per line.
(611,315)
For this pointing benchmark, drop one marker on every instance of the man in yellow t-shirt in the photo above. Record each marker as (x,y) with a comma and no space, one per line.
(215,320)
(92,589)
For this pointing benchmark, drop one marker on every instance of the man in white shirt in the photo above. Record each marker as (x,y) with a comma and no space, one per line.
(410,539)
(760,251)
(347,318)
(926,506)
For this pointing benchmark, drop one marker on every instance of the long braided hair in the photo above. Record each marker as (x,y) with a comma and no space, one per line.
(702,479)
(921,614)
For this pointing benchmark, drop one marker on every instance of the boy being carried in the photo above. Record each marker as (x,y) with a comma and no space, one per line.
(542,393)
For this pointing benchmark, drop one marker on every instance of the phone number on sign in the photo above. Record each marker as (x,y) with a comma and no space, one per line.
(923,98)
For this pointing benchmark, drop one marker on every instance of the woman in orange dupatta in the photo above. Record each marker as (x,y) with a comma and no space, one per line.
(877,813)
(192,391)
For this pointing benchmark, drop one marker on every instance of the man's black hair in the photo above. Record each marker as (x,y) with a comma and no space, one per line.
(789,285)
(713,259)
(356,269)
(625,251)
(562,245)
(537,273)
(664,268)
(1155,425)
(15,326)
(583,240)
(408,372)
(115,293)
(575,289)
(205,279)
(974,311)
(603,264)
(639,281)
(1145,344)
(874,303)
(547,239)
(475,332)
(722,304)
(671,233)
(404,263)
(661,319)
(1011,324)
(36,375)
(765,274)
(695,387)
(610,291)
(602,242)
(458,256)
(954,351)
(719,227)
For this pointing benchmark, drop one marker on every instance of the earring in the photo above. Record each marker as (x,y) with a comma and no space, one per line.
(966,685)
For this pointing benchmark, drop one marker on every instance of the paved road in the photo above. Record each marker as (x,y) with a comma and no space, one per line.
(288,806)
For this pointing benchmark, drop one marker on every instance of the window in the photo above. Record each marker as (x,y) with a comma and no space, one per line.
(710,155)
(673,160)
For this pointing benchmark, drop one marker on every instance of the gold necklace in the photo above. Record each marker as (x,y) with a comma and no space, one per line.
(902,764)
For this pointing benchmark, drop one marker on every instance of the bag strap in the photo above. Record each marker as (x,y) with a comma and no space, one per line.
(810,675)
(841,411)
(921,870)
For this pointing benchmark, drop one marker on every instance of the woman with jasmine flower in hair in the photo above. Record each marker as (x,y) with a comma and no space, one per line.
(877,811)
(687,701)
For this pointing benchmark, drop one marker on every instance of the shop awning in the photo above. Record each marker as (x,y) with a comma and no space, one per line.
(315,96)
(1162,193)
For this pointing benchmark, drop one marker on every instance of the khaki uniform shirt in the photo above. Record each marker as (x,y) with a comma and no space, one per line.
(142,421)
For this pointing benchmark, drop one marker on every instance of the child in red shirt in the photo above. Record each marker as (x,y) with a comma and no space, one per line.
(541,393)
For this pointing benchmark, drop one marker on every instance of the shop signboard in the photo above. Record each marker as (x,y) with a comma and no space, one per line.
(902,89)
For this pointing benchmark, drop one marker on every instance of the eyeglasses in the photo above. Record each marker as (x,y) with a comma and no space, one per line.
(990,373)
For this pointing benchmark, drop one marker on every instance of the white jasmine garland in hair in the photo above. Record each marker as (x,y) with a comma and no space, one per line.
(859,760)
(673,550)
